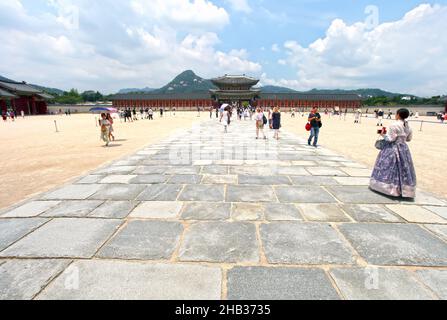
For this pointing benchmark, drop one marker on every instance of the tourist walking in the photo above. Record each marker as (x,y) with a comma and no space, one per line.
(225,118)
(151,114)
(315,123)
(380,114)
(394,173)
(293,113)
(261,121)
(161,112)
(23,114)
(270,118)
(276,122)
(105,126)
(4,117)
(111,130)
(358,116)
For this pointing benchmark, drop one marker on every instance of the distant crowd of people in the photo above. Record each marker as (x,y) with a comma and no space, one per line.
(134,114)
(11,115)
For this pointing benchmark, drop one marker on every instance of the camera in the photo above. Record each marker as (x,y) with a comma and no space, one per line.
(381,131)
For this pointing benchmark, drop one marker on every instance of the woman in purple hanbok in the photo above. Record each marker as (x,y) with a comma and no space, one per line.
(394,173)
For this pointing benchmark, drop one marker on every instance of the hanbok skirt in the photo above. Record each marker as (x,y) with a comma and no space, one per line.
(394,174)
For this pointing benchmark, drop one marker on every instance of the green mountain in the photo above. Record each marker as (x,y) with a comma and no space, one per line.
(275,89)
(52,91)
(187,82)
(5,79)
(364,93)
(136,90)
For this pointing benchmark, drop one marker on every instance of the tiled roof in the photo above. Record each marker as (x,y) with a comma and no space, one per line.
(18,87)
(6,94)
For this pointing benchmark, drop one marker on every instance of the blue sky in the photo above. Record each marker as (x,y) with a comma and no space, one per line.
(107,45)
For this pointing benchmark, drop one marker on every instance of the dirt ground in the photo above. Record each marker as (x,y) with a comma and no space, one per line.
(356,141)
(35,159)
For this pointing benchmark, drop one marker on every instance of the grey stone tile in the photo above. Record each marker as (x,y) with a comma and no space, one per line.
(91,179)
(379,284)
(118,192)
(359,195)
(30,209)
(160,192)
(304,243)
(73,192)
(149,179)
(12,230)
(157,210)
(426,199)
(183,170)
(64,238)
(439,230)
(247,211)
(323,213)
(250,194)
(114,210)
(396,244)
(23,279)
(292,171)
(185,179)
(255,171)
(206,211)
(220,242)
(352,181)
(356,172)
(258,283)
(117,179)
(209,193)
(436,280)
(303,195)
(282,212)
(326,171)
(214,170)
(144,240)
(74,208)
(416,214)
(440,211)
(122,280)
(313,181)
(116,170)
(264,180)
(146,170)
(370,213)
(219,179)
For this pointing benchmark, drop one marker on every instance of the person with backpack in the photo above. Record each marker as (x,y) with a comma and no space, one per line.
(261,121)
(315,123)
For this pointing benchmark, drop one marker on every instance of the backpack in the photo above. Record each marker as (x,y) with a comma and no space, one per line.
(264,119)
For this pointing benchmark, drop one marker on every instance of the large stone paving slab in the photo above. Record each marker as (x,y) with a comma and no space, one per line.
(120,280)
(118,192)
(303,195)
(282,212)
(396,244)
(144,240)
(64,238)
(248,211)
(313,181)
(439,230)
(323,213)
(114,209)
(23,279)
(359,195)
(416,214)
(258,283)
(209,193)
(379,284)
(220,242)
(30,209)
(149,179)
(12,230)
(370,213)
(264,180)
(157,210)
(436,280)
(440,211)
(304,243)
(73,192)
(206,211)
(250,194)
(75,208)
(160,192)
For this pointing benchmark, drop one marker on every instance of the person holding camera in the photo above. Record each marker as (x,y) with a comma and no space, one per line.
(394,174)
(315,123)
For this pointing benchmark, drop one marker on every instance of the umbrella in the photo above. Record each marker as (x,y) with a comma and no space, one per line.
(103,109)
(222,108)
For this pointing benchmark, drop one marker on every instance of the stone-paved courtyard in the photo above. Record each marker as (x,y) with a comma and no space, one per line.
(209,216)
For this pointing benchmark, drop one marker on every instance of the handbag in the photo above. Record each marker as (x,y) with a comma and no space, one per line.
(380,144)
(308,126)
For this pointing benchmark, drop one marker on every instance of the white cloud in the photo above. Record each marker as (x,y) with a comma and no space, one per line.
(131,44)
(408,55)
(240,5)
(275,48)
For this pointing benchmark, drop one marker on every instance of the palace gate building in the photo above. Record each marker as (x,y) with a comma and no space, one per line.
(236,89)
(20,96)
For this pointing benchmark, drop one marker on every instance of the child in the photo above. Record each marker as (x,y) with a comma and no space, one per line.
(105,126)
